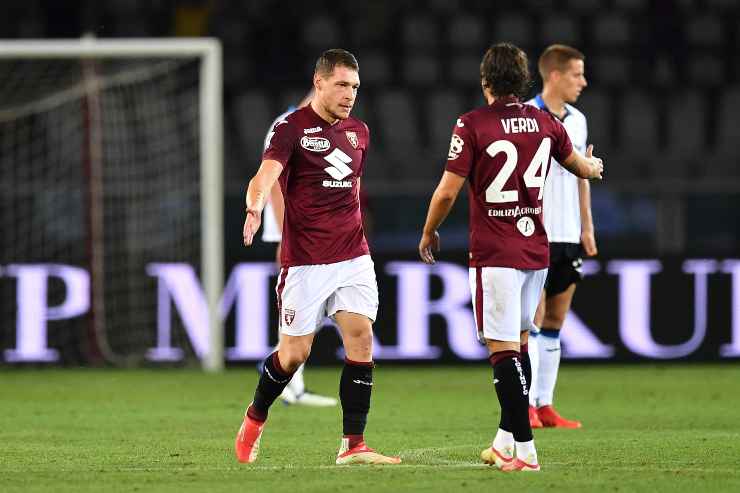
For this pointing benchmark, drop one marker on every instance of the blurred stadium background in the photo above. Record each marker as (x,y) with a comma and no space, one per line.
(663,106)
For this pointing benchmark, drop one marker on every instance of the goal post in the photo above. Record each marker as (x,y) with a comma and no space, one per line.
(210,143)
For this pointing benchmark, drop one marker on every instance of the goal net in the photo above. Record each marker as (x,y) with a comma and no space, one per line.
(110,161)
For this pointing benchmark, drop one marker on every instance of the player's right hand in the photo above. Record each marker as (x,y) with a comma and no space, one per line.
(596,163)
(251,225)
(428,243)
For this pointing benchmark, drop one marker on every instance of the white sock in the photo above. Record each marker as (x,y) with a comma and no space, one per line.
(296,384)
(504,442)
(534,361)
(525,451)
(549,351)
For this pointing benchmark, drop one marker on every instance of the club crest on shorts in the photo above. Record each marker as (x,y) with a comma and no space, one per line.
(352,137)
(288,315)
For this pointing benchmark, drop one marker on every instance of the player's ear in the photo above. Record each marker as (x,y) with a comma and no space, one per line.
(316,81)
(487,94)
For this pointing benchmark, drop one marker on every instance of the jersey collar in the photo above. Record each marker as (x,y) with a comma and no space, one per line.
(540,103)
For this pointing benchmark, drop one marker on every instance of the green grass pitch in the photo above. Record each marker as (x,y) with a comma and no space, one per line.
(646,428)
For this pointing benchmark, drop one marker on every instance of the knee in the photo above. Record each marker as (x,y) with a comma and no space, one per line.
(362,337)
(359,345)
(292,357)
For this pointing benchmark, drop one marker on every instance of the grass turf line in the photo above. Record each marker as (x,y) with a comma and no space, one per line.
(646,428)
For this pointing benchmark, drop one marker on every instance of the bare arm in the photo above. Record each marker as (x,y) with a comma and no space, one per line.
(257,192)
(439,207)
(278,204)
(588,238)
(588,166)
(278,210)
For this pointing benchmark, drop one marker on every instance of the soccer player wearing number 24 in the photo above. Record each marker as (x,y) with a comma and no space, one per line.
(318,153)
(504,150)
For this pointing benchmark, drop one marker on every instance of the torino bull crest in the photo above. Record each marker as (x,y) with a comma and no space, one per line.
(352,137)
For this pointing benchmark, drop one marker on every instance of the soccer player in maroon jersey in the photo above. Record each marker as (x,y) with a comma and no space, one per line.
(318,155)
(504,150)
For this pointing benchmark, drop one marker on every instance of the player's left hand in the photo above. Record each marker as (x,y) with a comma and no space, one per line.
(588,241)
(251,225)
(429,242)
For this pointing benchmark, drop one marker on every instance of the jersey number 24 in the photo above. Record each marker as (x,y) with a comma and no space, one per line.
(495,192)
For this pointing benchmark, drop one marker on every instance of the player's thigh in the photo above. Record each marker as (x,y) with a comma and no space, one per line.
(357,335)
(358,290)
(302,294)
(496,293)
(539,315)
(531,293)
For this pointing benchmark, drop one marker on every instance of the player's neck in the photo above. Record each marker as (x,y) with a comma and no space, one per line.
(554,103)
(323,114)
(490,98)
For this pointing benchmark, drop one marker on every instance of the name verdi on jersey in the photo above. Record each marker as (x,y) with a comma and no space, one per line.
(336,184)
(515,211)
(519,125)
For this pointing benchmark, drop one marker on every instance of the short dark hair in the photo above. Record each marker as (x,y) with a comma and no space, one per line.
(504,70)
(334,58)
(556,57)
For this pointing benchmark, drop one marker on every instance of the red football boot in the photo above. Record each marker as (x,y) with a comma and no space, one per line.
(534,419)
(497,458)
(519,465)
(247,444)
(362,454)
(551,419)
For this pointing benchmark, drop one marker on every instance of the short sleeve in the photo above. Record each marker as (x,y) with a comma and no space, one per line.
(280,142)
(461,153)
(562,147)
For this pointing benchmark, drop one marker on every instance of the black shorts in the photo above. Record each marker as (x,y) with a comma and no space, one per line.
(565,267)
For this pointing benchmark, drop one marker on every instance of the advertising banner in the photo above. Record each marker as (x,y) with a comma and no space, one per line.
(624,310)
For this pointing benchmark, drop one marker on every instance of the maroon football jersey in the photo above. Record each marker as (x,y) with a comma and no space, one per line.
(322,164)
(504,150)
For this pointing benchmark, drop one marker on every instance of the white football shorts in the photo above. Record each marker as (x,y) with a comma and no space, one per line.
(505,300)
(308,293)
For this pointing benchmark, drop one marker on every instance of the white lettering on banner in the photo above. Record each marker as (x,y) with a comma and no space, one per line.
(248,286)
(578,341)
(33,311)
(247,292)
(414,308)
(732,350)
(179,284)
(634,306)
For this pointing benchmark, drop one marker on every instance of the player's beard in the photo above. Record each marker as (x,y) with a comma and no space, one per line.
(339,116)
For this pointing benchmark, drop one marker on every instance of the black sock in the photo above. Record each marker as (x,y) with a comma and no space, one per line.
(272,382)
(355,388)
(527,367)
(511,389)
